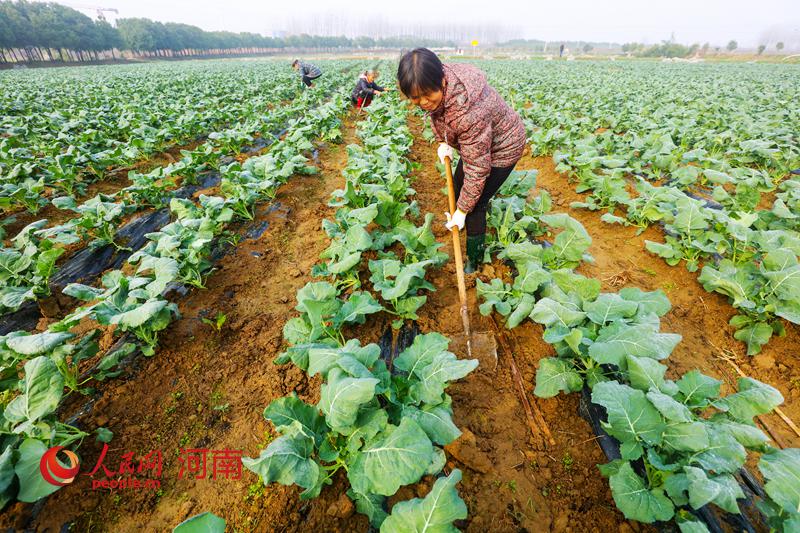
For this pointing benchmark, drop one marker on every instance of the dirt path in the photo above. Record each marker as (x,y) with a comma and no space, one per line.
(207,390)
(701,317)
(510,483)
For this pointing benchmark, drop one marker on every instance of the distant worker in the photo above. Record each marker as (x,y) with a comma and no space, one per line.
(308,72)
(466,114)
(366,89)
(561,50)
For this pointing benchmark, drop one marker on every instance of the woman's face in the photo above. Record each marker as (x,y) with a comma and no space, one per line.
(370,77)
(428,101)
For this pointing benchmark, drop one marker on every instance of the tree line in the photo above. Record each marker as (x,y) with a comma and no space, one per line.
(673,49)
(34,31)
(664,49)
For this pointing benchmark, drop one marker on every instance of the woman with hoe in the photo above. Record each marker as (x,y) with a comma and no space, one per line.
(468,115)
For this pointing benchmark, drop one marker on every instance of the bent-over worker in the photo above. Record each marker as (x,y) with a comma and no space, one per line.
(366,89)
(469,115)
(308,72)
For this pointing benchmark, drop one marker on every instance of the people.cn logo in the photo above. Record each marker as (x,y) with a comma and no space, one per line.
(53,471)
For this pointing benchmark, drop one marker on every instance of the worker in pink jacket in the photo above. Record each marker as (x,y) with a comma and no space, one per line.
(468,115)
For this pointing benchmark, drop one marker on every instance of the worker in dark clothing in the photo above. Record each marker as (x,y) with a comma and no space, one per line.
(366,89)
(308,72)
(561,50)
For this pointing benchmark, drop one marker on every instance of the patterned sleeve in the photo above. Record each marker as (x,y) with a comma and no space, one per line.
(439,137)
(475,146)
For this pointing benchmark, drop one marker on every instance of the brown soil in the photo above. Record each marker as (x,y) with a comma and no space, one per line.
(205,389)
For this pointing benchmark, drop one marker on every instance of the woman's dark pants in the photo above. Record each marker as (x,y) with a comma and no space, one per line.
(476,219)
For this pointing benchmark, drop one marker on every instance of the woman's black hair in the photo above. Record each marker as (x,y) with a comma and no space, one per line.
(420,72)
(295,62)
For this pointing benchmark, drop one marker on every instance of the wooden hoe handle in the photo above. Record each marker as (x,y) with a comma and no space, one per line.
(462,287)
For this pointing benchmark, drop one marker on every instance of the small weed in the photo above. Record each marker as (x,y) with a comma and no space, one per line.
(231,238)
(177,395)
(217,403)
(255,491)
(515,514)
(668,286)
(649,271)
(512,486)
(217,322)
(567,461)
(268,437)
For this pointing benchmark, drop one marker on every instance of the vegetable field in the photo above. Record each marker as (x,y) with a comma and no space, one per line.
(203,257)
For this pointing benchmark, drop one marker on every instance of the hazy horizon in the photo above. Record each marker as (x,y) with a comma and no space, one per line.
(620,21)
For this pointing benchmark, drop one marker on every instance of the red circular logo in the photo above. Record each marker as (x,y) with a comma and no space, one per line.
(53,471)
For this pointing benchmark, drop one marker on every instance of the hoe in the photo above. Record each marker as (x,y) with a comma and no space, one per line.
(480,345)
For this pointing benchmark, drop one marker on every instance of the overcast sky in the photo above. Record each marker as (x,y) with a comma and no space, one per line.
(717,21)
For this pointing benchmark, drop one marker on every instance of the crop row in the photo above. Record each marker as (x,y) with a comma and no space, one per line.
(381,421)
(741,147)
(59,133)
(134,305)
(30,260)
(681,443)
